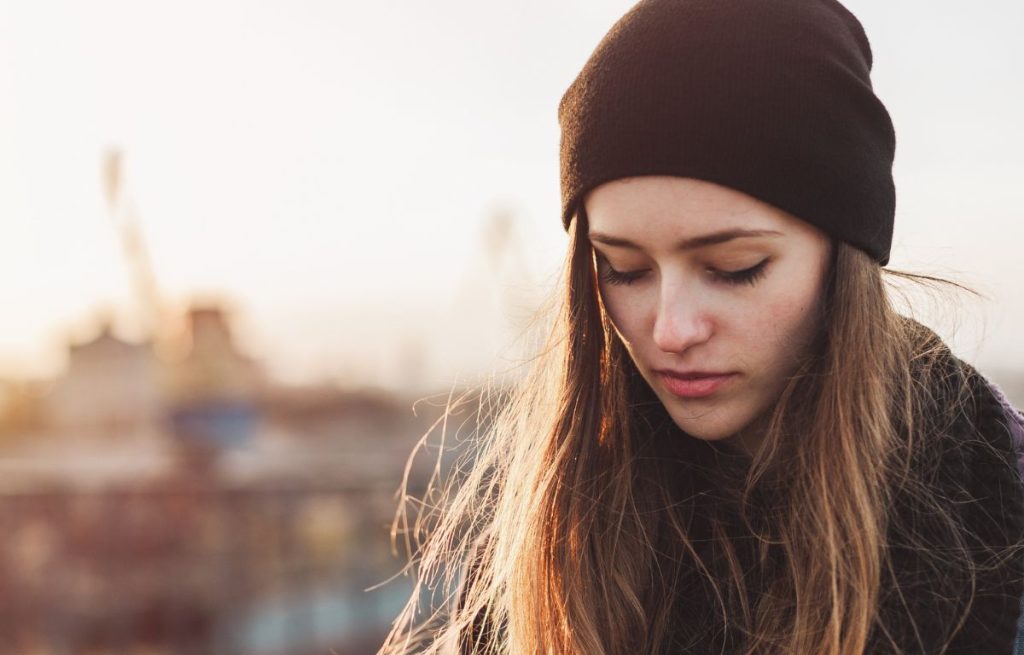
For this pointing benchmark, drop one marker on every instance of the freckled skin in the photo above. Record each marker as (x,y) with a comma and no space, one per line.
(679,313)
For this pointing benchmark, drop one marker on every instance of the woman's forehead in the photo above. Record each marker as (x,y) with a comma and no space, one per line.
(683,207)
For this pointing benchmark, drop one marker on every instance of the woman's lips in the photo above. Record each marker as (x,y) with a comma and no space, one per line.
(694,387)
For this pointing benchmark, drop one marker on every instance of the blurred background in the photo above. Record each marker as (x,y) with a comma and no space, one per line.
(248,250)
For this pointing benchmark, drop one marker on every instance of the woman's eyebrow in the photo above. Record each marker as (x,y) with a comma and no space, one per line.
(691,243)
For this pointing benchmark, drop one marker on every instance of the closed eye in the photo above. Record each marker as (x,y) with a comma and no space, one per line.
(746,276)
(612,276)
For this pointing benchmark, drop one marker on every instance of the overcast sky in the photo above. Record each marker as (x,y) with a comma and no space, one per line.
(328,165)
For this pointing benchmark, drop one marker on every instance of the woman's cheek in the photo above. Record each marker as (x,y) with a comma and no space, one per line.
(623,313)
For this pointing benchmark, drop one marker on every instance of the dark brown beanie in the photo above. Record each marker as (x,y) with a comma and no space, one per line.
(769,97)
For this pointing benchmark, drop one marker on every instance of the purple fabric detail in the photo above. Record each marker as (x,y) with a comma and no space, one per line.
(1016,421)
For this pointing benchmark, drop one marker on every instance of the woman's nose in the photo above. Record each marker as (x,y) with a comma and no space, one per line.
(681,322)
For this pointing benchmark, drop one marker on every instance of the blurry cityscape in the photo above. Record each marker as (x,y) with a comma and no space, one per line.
(165,495)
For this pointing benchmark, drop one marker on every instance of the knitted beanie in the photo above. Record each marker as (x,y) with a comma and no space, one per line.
(769,97)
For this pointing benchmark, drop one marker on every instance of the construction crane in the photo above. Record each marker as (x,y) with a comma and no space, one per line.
(125,219)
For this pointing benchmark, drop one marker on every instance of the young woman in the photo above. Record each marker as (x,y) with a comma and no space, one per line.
(732,442)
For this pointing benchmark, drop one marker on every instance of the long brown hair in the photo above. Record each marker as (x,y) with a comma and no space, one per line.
(589,514)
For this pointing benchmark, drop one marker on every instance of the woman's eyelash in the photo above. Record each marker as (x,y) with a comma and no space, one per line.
(746,276)
(612,276)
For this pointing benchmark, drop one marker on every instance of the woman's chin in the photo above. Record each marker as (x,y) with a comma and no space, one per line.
(705,422)
(705,431)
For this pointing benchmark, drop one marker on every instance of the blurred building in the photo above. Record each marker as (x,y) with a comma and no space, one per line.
(212,391)
(111,385)
(212,366)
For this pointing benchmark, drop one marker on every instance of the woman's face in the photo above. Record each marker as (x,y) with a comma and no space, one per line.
(701,278)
